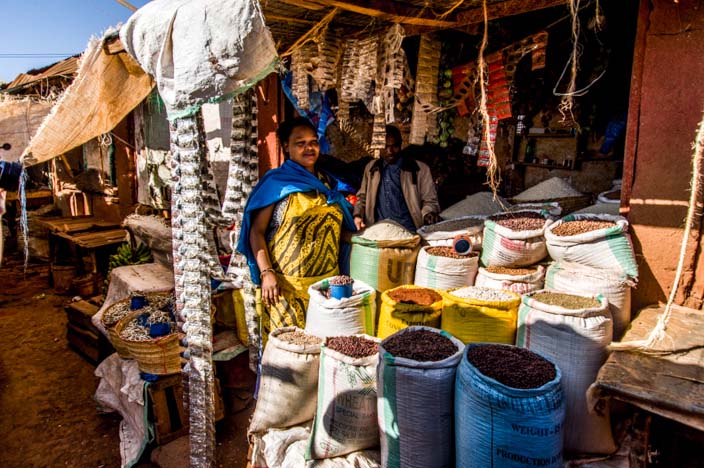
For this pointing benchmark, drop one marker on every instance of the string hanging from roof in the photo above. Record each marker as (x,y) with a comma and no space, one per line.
(312,33)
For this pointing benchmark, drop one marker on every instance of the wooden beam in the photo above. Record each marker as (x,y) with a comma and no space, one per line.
(504,9)
(288,19)
(387,11)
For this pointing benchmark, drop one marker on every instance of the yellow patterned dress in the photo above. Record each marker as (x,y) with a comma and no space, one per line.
(303,249)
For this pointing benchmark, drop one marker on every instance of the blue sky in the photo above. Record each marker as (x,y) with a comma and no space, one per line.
(52,27)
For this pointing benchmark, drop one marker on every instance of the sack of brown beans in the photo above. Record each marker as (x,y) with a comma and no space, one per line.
(327,316)
(514,239)
(509,408)
(519,280)
(346,417)
(442,233)
(612,284)
(288,381)
(442,268)
(476,314)
(408,305)
(595,240)
(384,262)
(416,388)
(573,331)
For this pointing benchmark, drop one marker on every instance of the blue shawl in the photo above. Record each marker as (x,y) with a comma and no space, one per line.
(278,184)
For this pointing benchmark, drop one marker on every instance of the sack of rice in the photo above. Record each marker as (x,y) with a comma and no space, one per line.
(408,305)
(514,239)
(481,203)
(509,408)
(289,380)
(572,331)
(346,417)
(327,316)
(416,386)
(580,279)
(474,314)
(549,189)
(443,268)
(384,256)
(597,241)
(518,280)
(443,233)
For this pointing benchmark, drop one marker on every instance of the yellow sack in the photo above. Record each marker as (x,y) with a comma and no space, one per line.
(477,321)
(395,316)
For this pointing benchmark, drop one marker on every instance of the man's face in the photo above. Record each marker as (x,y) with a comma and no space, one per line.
(393,148)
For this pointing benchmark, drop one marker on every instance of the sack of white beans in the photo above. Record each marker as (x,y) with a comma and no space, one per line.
(518,280)
(514,239)
(595,240)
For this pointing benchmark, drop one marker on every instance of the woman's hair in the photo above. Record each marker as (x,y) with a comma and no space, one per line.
(286,128)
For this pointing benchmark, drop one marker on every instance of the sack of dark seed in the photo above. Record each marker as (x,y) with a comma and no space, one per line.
(346,419)
(514,239)
(416,380)
(509,408)
(573,331)
(594,240)
(408,305)
(289,380)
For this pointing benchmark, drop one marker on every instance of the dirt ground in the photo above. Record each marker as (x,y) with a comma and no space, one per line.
(48,417)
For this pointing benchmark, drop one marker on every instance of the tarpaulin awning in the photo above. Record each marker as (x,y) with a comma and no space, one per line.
(19,120)
(107,87)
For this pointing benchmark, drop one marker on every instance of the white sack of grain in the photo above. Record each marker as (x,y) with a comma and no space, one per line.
(548,190)
(288,383)
(442,233)
(521,283)
(576,341)
(574,278)
(608,248)
(440,272)
(334,317)
(502,246)
(481,203)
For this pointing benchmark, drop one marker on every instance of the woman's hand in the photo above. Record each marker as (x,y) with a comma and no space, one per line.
(270,288)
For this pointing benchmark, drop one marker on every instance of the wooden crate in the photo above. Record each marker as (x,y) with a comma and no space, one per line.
(82,336)
(166,409)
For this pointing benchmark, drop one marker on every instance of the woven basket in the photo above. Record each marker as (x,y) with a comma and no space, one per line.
(568,204)
(159,356)
(117,342)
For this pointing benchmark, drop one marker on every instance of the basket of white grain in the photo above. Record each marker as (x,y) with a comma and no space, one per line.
(593,240)
(346,417)
(573,331)
(514,239)
(480,315)
(443,268)
(384,255)
(518,280)
(444,232)
(555,190)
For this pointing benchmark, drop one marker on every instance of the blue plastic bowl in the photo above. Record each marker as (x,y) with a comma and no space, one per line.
(159,329)
(341,291)
(137,302)
(142,319)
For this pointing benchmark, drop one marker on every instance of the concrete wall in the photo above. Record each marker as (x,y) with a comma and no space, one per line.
(667,100)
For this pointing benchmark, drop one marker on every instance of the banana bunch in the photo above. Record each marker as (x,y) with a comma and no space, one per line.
(126,255)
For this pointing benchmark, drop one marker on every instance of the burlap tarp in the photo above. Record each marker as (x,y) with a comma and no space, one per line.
(105,90)
(19,120)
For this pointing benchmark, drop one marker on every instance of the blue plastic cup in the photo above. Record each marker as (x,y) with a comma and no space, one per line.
(341,291)
(137,302)
(142,319)
(159,329)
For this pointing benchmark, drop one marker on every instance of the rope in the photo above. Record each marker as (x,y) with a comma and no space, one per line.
(451,9)
(659,332)
(567,101)
(312,33)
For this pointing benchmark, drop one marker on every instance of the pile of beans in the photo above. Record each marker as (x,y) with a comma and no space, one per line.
(341,280)
(418,296)
(420,345)
(353,346)
(446,252)
(566,301)
(299,338)
(512,366)
(520,220)
(499,270)
(572,228)
(482,294)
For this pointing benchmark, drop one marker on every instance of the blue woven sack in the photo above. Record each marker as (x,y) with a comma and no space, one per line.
(502,427)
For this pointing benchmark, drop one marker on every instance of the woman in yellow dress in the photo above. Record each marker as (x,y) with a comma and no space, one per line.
(291,229)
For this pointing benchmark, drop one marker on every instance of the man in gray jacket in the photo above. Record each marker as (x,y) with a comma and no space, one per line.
(396,187)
